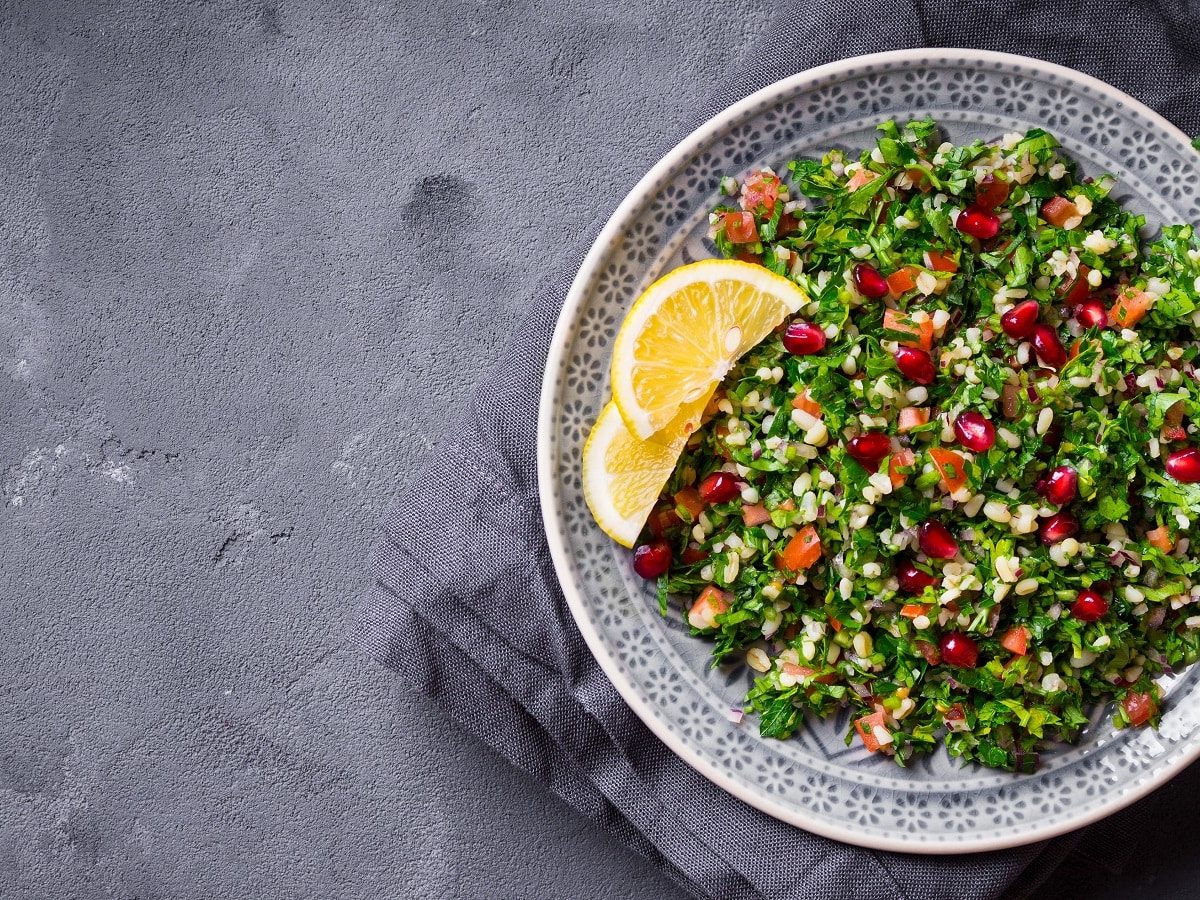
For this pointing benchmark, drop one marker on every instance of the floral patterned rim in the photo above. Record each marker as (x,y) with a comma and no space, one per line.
(815,781)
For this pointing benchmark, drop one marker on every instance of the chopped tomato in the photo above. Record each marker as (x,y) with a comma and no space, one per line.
(689,499)
(919,179)
(903,280)
(662,520)
(1174,433)
(991,192)
(912,610)
(747,257)
(912,417)
(1131,305)
(755,515)
(860,178)
(1016,640)
(950,467)
(866,726)
(834,623)
(917,334)
(1058,211)
(940,262)
(901,459)
(711,603)
(788,504)
(1075,292)
(805,403)
(740,227)
(692,555)
(930,652)
(788,224)
(759,193)
(1160,537)
(802,550)
(1139,708)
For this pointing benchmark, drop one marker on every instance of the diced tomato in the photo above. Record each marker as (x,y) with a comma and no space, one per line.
(805,403)
(662,520)
(1160,537)
(866,726)
(931,653)
(802,550)
(711,603)
(1131,305)
(991,192)
(901,459)
(918,334)
(759,193)
(950,467)
(912,417)
(903,280)
(747,257)
(1139,708)
(919,179)
(691,555)
(912,610)
(1174,433)
(788,224)
(740,227)
(689,499)
(788,504)
(834,623)
(1075,292)
(940,261)
(1016,640)
(860,178)
(755,515)
(1058,211)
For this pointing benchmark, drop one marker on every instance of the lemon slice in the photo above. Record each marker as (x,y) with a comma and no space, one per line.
(623,475)
(685,331)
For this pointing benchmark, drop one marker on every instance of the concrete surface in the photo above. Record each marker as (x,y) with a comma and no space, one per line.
(225,230)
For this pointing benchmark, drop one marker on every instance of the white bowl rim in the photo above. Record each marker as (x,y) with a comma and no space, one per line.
(548,490)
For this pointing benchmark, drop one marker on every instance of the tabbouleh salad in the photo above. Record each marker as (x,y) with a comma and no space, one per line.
(956,492)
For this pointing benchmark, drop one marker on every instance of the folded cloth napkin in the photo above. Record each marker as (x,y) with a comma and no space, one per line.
(466,603)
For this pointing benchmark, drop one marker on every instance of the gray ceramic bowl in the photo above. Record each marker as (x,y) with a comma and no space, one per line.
(815,781)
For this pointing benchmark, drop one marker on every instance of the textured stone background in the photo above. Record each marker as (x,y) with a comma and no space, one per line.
(251,257)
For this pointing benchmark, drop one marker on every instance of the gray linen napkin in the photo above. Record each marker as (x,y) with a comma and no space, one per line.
(466,603)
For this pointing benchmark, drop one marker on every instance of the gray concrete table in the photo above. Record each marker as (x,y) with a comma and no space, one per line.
(251,257)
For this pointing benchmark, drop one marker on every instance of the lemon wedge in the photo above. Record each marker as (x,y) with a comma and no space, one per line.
(623,475)
(686,330)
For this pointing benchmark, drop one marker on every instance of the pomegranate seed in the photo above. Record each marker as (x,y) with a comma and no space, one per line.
(915,365)
(1092,314)
(1060,486)
(959,650)
(803,339)
(978,223)
(974,431)
(991,192)
(652,560)
(1018,322)
(913,580)
(719,487)
(1058,527)
(868,450)
(936,540)
(1089,606)
(870,282)
(1184,465)
(1048,347)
